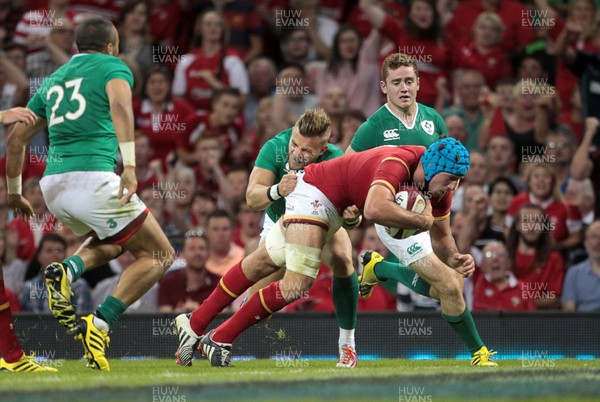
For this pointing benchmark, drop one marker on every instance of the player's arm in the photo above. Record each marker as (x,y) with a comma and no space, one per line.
(380,207)
(262,190)
(445,247)
(349,150)
(15,155)
(121,110)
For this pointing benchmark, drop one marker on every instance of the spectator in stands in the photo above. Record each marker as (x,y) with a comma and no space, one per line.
(162,118)
(580,193)
(223,120)
(334,101)
(529,122)
(148,173)
(359,20)
(134,34)
(58,48)
(500,195)
(320,28)
(529,244)
(35,25)
(261,73)
(586,161)
(108,9)
(477,175)
(474,218)
(572,116)
(244,24)
(40,223)
(559,149)
(295,46)
(249,225)
(581,291)
(234,189)
(542,190)
(223,253)
(468,85)
(265,129)
(14,269)
(501,161)
(165,20)
(148,303)
(516,33)
(349,123)
(10,13)
(202,206)
(352,66)
(34,293)
(183,290)
(153,198)
(484,53)
(210,65)
(456,128)
(292,97)
(14,85)
(496,288)
(418,35)
(209,173)
(177,192)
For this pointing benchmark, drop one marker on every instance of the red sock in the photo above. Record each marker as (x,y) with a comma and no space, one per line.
(230,287)
(9,344)
(267,301)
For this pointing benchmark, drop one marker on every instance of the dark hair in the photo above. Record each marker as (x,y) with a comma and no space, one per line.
(129,6)
(11,45)
(336,60)
(297,66)
(396,60)
(94,34)
(351,113)
(504,180)
(218,213)
(543,245)
(433,32)
(34,266)
(218,93)
(157,70)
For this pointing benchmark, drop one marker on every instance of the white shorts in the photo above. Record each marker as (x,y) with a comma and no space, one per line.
(307,204)
(407,250)
(87,202)
(267,226)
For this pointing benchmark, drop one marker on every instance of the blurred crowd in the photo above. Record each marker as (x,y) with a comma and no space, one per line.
(517,82)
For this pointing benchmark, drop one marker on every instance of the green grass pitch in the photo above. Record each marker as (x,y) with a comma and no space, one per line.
(308,380)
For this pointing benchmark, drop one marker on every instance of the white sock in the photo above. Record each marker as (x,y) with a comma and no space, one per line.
(346,337)
(100,324)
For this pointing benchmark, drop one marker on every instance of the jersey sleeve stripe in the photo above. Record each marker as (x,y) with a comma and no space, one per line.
(441,218)
(385,183)
(393,158)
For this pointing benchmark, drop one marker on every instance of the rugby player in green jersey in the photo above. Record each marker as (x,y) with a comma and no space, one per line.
(86,106)
(272,179)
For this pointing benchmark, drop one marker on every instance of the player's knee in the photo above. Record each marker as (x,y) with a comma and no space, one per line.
(449,287)
(341,264)
(296,289)
(303,260)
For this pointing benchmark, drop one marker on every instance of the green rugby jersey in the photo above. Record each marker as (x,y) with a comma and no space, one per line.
(74,102)
(386,128)
(273,156)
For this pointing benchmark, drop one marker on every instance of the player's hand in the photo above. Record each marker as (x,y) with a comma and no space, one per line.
(288,183)
(351,213)
(428,212)
(20,205)
(464,264)
(18,114)
(591,125)
(128,185)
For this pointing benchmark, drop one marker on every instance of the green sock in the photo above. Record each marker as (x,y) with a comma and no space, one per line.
(75,266)
(345,300)
(465,328)
(401,273)
(111,310)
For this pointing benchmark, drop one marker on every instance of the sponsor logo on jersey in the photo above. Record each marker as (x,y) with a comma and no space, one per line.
(428,126)
(415,248)
(391,134)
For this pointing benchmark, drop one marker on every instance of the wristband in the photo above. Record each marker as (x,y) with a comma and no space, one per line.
(273,193)
(128,152)
(355,222)
(13,184)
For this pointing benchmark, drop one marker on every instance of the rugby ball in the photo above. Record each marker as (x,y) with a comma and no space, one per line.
(411,199)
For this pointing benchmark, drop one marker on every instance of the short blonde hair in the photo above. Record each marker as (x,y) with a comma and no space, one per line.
(493,18)
(314,123)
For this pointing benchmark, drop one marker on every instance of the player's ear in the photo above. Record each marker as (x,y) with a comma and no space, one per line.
(323,149)
(383,87)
